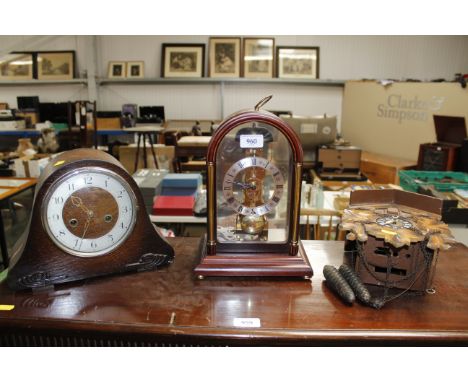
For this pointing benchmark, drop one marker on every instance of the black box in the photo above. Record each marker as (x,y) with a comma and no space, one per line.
(28,103)
(151,114)
(443,155)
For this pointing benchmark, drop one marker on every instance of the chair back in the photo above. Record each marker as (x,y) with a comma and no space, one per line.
(322,223)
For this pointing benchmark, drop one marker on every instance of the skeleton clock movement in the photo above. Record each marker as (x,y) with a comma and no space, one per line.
(88,220)
(254,169)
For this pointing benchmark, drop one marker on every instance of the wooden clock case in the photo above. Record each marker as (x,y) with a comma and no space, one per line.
(38,262)
(403,258)
(260,259)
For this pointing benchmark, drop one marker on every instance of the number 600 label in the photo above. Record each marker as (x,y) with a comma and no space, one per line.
(251,141)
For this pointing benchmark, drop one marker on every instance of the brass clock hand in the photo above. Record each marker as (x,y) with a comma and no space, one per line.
(77,202)
(88,220)
(245,186)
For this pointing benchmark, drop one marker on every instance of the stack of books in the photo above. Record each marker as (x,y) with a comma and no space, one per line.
(178,195)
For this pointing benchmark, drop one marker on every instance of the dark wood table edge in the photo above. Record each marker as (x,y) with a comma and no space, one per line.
(197,335)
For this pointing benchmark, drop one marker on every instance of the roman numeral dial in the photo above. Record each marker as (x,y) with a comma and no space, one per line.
(243,186)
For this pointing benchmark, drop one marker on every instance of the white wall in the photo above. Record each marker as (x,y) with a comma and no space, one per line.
(341,58)
(58,93)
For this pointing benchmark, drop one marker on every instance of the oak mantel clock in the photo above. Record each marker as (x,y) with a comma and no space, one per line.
(88,220)
(254,168)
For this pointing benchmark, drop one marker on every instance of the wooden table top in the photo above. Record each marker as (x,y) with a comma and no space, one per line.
(194,141)
(11,186)
(386,160)
(144,129)
(171,306)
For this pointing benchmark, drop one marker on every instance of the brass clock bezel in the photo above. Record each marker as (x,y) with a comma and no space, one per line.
(62,179)
(270,202)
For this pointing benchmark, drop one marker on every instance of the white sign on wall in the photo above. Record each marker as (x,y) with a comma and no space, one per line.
(395,119)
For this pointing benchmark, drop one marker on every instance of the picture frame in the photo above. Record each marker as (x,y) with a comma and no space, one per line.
(55,65)
(17,67)
(117,69)
(258,57)
(224,60)
(183,60)
(135,69)
(300,62)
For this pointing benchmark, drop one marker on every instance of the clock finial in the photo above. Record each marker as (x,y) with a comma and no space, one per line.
(262,102)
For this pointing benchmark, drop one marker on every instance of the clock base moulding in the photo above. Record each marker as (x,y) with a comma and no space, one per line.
(253,265)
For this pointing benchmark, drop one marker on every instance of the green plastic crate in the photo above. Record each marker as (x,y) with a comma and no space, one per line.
(60,126)
(411,180)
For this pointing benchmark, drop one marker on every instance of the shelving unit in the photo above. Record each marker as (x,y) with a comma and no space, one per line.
(20,133)
(208,80)
(222,83)
(76,81)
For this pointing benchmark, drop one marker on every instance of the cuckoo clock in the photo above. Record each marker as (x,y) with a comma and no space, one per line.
(396,236)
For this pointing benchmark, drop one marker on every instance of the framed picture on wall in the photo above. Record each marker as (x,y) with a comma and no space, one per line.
(117,69)
(135,69)
(16,66)
(258,57)
(55,65)
(297,62)
(183,60)
(224,57)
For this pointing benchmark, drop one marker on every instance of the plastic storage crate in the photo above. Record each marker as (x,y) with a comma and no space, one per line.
(411,180)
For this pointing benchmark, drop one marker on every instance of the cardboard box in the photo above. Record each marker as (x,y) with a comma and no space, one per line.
(114,123)
(31,117)
(340,157)
(395,119)
(31,166)
(12,125)
(164,156)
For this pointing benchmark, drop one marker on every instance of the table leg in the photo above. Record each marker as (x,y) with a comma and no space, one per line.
(137,157)
(95,136)
(152,150)
(145,161)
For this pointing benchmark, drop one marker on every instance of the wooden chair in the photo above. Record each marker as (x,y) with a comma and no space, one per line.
(190,155)
(331,232)
(171,137)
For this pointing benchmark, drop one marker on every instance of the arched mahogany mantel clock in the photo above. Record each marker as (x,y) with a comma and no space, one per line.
(88,220)
(254,169)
